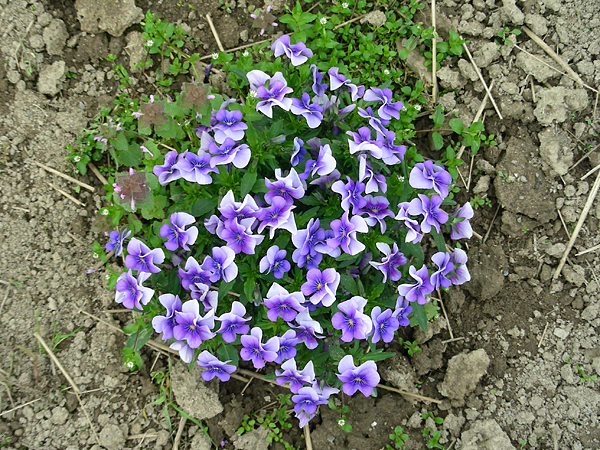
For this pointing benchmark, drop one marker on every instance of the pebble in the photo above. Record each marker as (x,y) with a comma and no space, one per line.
(560,333)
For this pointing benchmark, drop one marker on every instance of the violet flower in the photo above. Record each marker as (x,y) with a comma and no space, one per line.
(239,237)
(191,326)
(221,265)
(362,378)
(336,81)
(313,113)
(377,210)
(321,286)
(233,323)
(460,274)
(324,165)
(169,171)
(228,124)
(207,297)
(345,230)
(229,152)
(388,109)
(287,346)
(317,87)
(186,353)
(402,310)
(326,182)
(419,289)
(375,122)
(275,261)
(390,153)
(141,258)
(427,175)
(165,324)
(274,95)
(305,240)
(196,168)
(230,209)
(257,352)
(439,278)
(351,193)
(351,319)
(290,188)
(362,142)
(295,377)
(280,303)
(392,259)
(116,241)
(375,182)
(299,152)
(384,325)
(278,215)
(430,209)
(413,228)
(193,273)
(307,329)
(130,291)
(460,228)
(214,367)
(298,53)
(176,234)
(306,403)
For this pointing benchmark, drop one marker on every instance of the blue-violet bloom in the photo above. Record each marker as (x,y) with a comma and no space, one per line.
(295,377)
(275,261)
(214,367)
(298,53)
(351,319)
(117,240)
(321,286)
(460,228)
(384,325)
(221,265)
(427,175)
(165,324)
(420,288)
(362,378)
(130,292)
(141,258)
(233,323)
(313,113)
(228,124)
(280,303)
(344,234)
(257,352)
(191,326)
(175,232)
(392,259)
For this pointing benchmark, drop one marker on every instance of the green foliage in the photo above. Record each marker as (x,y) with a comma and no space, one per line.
(399,438)
(477,202)
(276,421)
(504,35)
(411,347)
(343,410)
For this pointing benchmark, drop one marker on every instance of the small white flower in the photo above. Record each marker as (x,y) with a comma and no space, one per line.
(345,5)
(341,422)
(386,72)
(95,255)
(374,424)
(77,158)
(253,94)
(104,212)
(215,56)
(107,276)
(418,107)
(129,365)
(149,43)
(245,53)
(400,178)
(323,20)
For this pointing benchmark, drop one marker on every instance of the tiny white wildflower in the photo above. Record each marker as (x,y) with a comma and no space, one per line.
(245,53)
(95,255)
(129,365)
(107,276)
(400,178)
(386,72)
(253,94)
(215,56)
(418,107)
(341,422)
(104,212)
(374,424)
(149,43)
(77,158)
(323,20)
(344,5)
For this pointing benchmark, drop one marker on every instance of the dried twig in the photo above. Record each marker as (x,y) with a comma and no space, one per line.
(595,247)
(582,217)
(20,406)
(69,196)
(491,224)
(595,169)
(487,89)
(447,341)
(96,172)
(434,92)
(5,298)
(439,299)
(584,157)
(307,437)
(179,432)
(543,334)
(409,394)
(66,177)
(563,223)
(214,32)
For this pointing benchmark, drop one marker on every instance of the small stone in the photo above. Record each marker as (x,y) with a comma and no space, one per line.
(55,37)
(560,333)
(467,70)
(537,23)
(193,394)
(50,78)
(450,79)
(555,104)
(486,54)
(485,435)
(575,274)
(556,250)
(463,373)
(556,150)
(244,35)
(112,437)
(59,415)
(591,312)
(376,18)
(566,373)
(112,16)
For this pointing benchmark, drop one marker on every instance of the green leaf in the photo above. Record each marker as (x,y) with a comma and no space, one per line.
(377,356)
(438,238)
(349,284)
(249,286)
(457,126)
(248,181)
(228,352)
(438,140)
(203,206)
(131,328)
(225,288)
(131,157)
(437,117)
(419,315)
(137,340)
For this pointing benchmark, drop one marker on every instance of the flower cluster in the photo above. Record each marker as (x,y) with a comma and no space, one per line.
(312,245)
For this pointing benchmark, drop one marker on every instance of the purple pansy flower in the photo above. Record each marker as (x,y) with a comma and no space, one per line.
(186,353)
(351,193)
(221,265)
(278,215)
(337,80)
(274,95)
(240,238)
(439,278)
(233,323)
(281,303)
(298,53)
(175,232)
(275,261)
(307,329)
(116,241)
(165,324)
(375,122)
(228,124)
(141,258)
(427,175)
(305,242)
(317,87)
(413,228)
(169,171)
(326,181)
(388,109)
(313,113)
(321,286)
(351,319)
(362,378)
(229,152)
(376,181)
(130,291)
(460,274)
(193,273)
(460,228)
(392,259)
(196,168)
(402,310)
(306,402)
(362,142)
(324,165)
(290,188)
(191,326)
(207,297)
(421,287)
(214,367)
(384,325)
(430,209)
(344,234)
(377,210)
(391,153)
(230,209)
(295,377)
(287,346)
(259,353)
(299,152)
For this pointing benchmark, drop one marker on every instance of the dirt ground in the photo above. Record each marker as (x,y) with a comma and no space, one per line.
(518,371)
